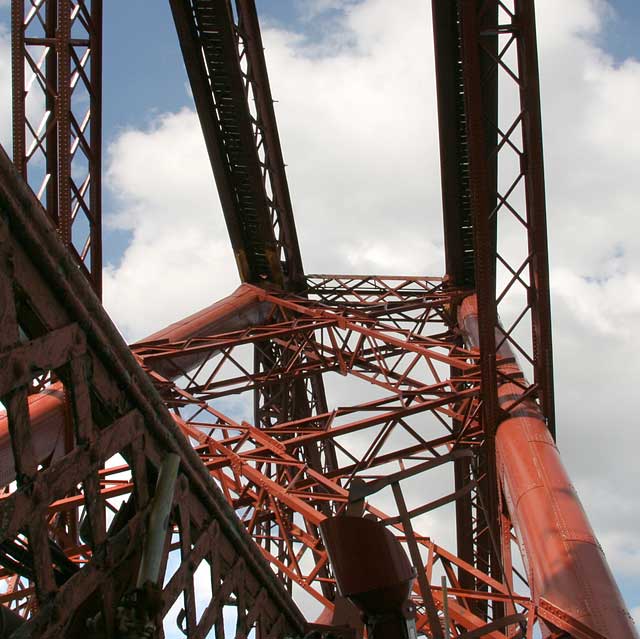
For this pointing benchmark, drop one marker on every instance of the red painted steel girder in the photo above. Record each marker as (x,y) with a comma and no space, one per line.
(479,46)
(274,451)
(261,474)
(56,62)
(48,417)
(564,561)
(228,78)
(368,328)
(72,528)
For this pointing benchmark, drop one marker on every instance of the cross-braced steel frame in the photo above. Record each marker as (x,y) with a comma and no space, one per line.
(298,398)
(56,61)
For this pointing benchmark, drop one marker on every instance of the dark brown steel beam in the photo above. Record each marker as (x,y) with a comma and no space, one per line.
(56,51)
(228,76)
(536,207)
(454,154)
(274,161)
(467,90)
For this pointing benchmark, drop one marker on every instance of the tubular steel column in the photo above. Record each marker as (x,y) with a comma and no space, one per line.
(493,197)
(57,121)
(64,581)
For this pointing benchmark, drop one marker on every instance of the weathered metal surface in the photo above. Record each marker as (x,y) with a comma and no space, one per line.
(227,72)
(495,230)
(225,63)
(564,562)
(71,526)
(85,430)
(277,495)
(56,61)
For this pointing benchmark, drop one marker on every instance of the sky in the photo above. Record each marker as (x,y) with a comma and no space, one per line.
(355,97)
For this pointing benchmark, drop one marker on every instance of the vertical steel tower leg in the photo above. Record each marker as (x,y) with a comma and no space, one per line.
(56,58)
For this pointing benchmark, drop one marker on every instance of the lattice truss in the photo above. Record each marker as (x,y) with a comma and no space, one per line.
(391,333)
(405,428)
(56,69)
(394,334)
(80,472)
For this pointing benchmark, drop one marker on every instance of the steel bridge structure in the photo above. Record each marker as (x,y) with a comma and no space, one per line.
(211,478)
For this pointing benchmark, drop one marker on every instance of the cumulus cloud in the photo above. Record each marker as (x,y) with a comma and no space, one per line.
(357,118)
(179,258)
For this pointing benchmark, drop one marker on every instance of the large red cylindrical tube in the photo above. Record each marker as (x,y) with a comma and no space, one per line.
(564,561)
(47,413)
(241,309)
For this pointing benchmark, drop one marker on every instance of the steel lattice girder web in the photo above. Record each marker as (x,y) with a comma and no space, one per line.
(80,463)
(108,517)
(56,63)
(397,335)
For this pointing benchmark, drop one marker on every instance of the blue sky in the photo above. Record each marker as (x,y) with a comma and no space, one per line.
(144,73)
(144,77)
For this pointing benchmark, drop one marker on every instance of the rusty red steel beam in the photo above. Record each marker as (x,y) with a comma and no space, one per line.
(228,76)
(454,142)
(217,316)
(56,56)
(292,498)
(479,45)
(240,310)
(257,79)
(480,109)
(208,319)
(114,409)
(460,260)
(565,563)
(163,349)
(289,494)
(323,341)
(289,497)
(227,72)
(298,435)
(47,416)
(477,27)
(539,296)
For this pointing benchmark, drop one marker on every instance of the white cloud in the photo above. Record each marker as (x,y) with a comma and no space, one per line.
(314,8)
(179,258)
(358,124)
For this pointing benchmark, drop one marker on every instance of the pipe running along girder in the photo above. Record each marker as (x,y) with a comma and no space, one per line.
(564,561)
